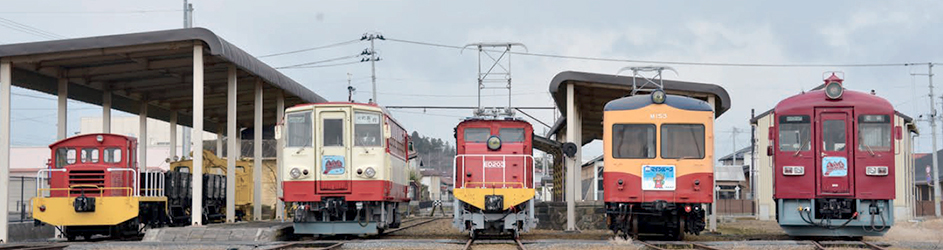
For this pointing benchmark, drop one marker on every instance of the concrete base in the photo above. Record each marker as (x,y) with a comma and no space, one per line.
(28,231)
(336,228)
(235,232)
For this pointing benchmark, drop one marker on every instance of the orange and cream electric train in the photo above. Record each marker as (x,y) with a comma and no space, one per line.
(658,164)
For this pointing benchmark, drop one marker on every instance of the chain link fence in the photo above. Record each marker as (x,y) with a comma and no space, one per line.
(21,191)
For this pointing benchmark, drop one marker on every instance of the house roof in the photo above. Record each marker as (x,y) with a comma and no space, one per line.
(739,153)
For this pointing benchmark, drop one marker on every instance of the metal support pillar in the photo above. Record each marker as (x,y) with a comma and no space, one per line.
(714,189)
(578,158)
(62,126)
(257,154)
(106,111)
(219,141)
(142,138)
(571,164)
(936,168)
(232,153)
(173,136)
(6,73)
(196,214)
(280,143)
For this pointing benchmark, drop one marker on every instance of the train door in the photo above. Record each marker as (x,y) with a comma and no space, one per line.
(333,126)
(833,151)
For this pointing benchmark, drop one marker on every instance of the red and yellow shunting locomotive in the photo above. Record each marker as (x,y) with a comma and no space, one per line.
(658,171)
(834,162)
(494,176)
(96,187)
(345,168)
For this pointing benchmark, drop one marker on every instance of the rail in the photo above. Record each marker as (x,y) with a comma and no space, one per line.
(134,189)
(153,183)
(502,166)
(40,176)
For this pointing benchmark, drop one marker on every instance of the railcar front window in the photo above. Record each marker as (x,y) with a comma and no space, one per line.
(795,133)
(333,132)
(874,133)
(299,129)
(367,129)
(65,156)
(478,135)
(511,134)
(112,155)
(633,141)
(682,141)
(833,135)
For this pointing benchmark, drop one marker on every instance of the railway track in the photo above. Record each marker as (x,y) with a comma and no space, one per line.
(676,245)
(33,246)
(308,245)
(517,243)
(822,246)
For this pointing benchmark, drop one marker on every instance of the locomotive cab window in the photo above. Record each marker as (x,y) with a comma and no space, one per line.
(367,129)
(299,129)
(511,135)
(89,155)
(477,135)
(795,133)
(65,156)
(833,135)
(874,133)
(333,132)
(112,155)
(682,141)
(633,141)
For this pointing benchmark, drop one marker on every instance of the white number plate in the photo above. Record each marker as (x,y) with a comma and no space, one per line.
(494,164)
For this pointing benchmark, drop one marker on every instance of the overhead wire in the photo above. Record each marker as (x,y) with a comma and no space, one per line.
(91,12)
(29,29)
(317,62)
(321,66)
(902,64)
(311,49)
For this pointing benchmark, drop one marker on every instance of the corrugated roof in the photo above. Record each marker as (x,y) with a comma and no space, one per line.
(729,173)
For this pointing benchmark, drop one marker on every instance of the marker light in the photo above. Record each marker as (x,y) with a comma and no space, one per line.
(793,170)
(494,143)
(876,170)
(99,138)
(295,173)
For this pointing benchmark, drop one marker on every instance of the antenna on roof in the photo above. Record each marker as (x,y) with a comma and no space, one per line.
(651,76)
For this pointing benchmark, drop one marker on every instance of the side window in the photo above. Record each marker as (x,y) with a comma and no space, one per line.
(874,133)
(112,155)
(795,133)
(64,157)
(477,134)
(333,132)
(299,129)
(89,155)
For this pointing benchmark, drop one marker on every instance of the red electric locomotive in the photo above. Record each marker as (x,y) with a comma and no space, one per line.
(834,162)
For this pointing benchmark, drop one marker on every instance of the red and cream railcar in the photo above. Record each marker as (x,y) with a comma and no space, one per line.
(834,162)
(345,168)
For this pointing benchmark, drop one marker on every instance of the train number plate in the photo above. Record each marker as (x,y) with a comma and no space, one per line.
(494,164)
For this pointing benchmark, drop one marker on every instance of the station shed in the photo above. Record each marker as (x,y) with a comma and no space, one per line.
(765,206)
(581,96)
(189,77)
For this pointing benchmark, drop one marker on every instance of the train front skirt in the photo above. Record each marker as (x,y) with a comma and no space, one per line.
(807,217)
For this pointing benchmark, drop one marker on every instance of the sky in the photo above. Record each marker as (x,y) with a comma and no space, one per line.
(752,32)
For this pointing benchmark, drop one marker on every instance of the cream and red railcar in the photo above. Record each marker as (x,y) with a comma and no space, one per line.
(345,168)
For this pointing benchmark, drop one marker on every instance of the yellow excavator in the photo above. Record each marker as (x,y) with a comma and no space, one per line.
(215,165)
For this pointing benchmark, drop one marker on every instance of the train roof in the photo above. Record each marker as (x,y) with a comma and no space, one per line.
(641,101)
(77,137)
(850,98)
(819,91)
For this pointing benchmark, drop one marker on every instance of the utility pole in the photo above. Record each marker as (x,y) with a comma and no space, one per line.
(935,158)
(187,23)
(187,14)
(350,89)
(373,59)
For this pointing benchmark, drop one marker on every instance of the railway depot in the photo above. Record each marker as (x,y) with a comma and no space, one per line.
(343,174)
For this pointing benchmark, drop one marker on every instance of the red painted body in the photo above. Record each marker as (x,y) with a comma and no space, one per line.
(470,170)
(88,176)
(630,191)
(856,184)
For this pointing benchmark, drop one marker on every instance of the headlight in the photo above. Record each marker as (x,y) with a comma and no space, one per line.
(295,173)
(494,143)
(658,96)
(833,90)
(793,170)
(370,172)
(878,171)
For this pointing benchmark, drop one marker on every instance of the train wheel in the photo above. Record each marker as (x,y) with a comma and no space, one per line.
(679,235)
(634,221)
(70,237)
(517,234)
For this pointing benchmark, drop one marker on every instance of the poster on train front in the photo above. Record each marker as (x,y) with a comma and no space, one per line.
(658,177)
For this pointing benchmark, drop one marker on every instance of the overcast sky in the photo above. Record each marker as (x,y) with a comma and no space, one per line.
(781,32)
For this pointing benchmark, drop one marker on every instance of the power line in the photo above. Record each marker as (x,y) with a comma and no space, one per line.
(671,62)
(29,29)
(317,62)
(310,49)
(321,66)
(89,12)
(435,95)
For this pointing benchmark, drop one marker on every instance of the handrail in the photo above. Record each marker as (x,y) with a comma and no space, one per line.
(101,190)
(503,168)
(40,176)
(135,189)
(153,187)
